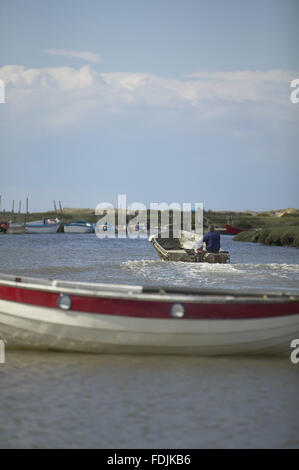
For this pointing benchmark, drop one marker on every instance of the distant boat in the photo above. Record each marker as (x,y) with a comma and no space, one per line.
(121,229)
(106,318)
(15,228)
(43,226)
(11,227)
(137,230)
(98,228)
(230,230)
(79,226)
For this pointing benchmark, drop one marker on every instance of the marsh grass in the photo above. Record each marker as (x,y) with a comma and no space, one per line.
(278,236)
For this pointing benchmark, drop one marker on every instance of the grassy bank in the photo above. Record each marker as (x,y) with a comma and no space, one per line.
(67,215)
(251,220)
(278,236)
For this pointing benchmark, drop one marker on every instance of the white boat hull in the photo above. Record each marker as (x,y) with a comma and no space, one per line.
(77,229)
(47,228)
(16,229)
(101,318)
(33,327)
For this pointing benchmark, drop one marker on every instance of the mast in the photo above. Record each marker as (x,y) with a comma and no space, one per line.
(12,211)
(27,214)
(19,213)
(55,208)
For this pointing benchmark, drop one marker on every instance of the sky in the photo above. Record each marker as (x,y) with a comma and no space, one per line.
(161,100)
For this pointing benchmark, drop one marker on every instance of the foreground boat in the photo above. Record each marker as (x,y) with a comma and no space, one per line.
(103,318)
(181,249)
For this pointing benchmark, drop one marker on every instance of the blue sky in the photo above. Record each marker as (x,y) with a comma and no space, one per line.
(176,101)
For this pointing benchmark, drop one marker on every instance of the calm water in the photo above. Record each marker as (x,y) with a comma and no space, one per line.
(81,400)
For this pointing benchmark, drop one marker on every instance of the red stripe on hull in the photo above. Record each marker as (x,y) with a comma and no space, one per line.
(150,309)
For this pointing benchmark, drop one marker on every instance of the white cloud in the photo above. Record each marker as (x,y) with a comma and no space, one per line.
(64,95)
(243,75)
(84,55)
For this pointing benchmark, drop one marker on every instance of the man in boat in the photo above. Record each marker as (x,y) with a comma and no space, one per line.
(212,243)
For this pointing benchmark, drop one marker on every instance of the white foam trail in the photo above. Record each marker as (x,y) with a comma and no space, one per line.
(205,274)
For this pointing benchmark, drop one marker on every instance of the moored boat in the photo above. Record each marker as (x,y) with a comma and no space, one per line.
(17,229)
(105,229)
(104,318)
(11,227)
(230,230)
(137,230)
(79,226)
(180,248)
(43,226)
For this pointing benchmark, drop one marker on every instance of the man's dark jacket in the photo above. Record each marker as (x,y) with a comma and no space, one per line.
(212,240)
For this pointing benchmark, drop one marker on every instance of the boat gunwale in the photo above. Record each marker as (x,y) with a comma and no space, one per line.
(148,293)
(160,248)
(42,225)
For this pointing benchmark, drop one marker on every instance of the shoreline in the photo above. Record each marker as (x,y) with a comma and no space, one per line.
(287,236)
(276,228)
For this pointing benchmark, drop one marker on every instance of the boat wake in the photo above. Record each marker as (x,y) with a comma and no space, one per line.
(252,276)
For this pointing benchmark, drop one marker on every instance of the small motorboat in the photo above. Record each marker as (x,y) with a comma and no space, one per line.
(181,249)
(79,226)
(43,226)
(105,318)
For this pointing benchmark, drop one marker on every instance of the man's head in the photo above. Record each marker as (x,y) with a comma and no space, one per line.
(211,228)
